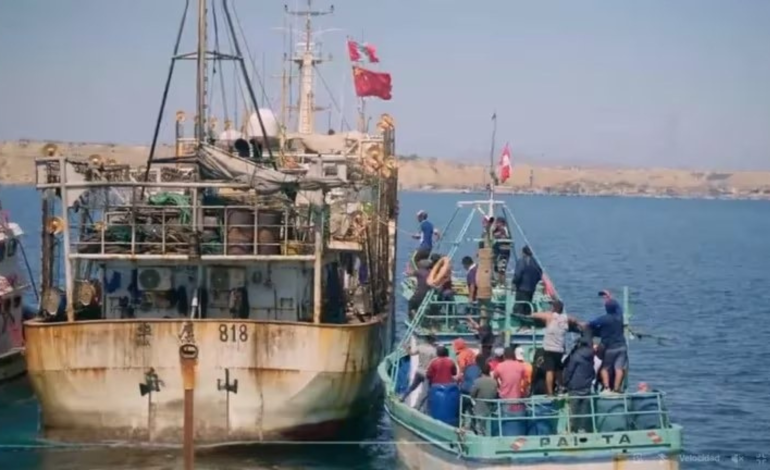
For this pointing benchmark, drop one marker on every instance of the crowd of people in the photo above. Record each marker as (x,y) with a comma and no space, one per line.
(500,371)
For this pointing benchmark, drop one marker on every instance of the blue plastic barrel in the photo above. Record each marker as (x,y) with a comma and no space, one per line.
(616,422)
(645,411)
(402,374)
(444,403)
(544,418)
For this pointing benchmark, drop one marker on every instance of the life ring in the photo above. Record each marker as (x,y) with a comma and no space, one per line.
(440,271)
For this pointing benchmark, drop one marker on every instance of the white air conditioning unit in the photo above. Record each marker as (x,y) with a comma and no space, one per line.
(153,279)
(222,278)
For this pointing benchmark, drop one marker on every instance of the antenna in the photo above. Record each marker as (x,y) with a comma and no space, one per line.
(307,60)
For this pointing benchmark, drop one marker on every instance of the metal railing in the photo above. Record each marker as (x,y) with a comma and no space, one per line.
(450,317)
(564,414)
(160,230)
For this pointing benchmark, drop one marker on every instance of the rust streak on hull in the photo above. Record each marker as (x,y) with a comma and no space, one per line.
(293,380)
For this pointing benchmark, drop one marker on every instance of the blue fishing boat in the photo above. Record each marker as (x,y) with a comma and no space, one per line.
(596,431)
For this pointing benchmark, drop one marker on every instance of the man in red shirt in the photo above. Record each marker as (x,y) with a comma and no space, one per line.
(497,358)
(511,378)
(442,370)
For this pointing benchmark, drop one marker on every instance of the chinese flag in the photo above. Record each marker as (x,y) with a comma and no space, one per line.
(369,83)
(505,164)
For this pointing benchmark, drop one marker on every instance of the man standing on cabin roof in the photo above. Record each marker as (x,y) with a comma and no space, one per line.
(425,235)
(556,326)
(609,327)
(525,280)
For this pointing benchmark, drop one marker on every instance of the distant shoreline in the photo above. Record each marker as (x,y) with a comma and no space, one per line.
(420,174)
(483,195)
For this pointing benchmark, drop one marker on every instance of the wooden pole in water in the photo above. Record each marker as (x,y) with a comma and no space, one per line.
(318,264)
(188,357)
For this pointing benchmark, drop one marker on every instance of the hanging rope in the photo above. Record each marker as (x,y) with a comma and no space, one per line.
(526,241)
(238,86)
(217,68)
(334,101)
(251,59)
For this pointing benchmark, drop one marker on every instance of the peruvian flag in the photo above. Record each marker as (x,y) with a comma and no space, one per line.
(358,51)
(504,169)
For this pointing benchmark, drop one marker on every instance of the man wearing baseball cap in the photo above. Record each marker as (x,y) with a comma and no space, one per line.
(497,358)
(610,329)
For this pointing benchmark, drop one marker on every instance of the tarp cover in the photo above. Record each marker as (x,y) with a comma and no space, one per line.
(218,164)
(335,143)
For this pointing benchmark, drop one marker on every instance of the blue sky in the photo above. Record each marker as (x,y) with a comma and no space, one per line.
(677,83)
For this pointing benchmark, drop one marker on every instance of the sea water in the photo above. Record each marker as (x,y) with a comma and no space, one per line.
(698,273)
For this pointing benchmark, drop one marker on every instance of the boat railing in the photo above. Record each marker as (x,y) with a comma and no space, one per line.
(224,230)
(564,414)
(452,318)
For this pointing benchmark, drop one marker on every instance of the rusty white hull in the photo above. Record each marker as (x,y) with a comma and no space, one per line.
(416,454)
(294,380)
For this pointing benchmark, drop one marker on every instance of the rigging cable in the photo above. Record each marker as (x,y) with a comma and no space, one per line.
(534,255)
(253,98)
(158,122)
(238,85)
(331,96)
(218,61)
(251,59)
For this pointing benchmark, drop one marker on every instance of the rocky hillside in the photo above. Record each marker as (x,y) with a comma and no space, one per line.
(16,167)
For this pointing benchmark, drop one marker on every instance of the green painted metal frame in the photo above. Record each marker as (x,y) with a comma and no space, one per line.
(667,439)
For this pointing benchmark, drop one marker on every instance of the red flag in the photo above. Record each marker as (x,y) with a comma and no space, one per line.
(356,51)
(369,83)
(505,164)
(353,51)
(548,287)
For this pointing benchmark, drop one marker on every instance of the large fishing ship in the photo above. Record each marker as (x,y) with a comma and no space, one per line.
(261,258)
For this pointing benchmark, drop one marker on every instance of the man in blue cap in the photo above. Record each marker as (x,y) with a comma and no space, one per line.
(609,327)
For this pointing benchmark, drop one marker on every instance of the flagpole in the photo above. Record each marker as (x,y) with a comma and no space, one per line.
(492,166)
(362,116)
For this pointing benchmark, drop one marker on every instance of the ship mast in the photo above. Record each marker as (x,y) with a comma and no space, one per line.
(307,60)
(492,176)
(201,55)
(200,126)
